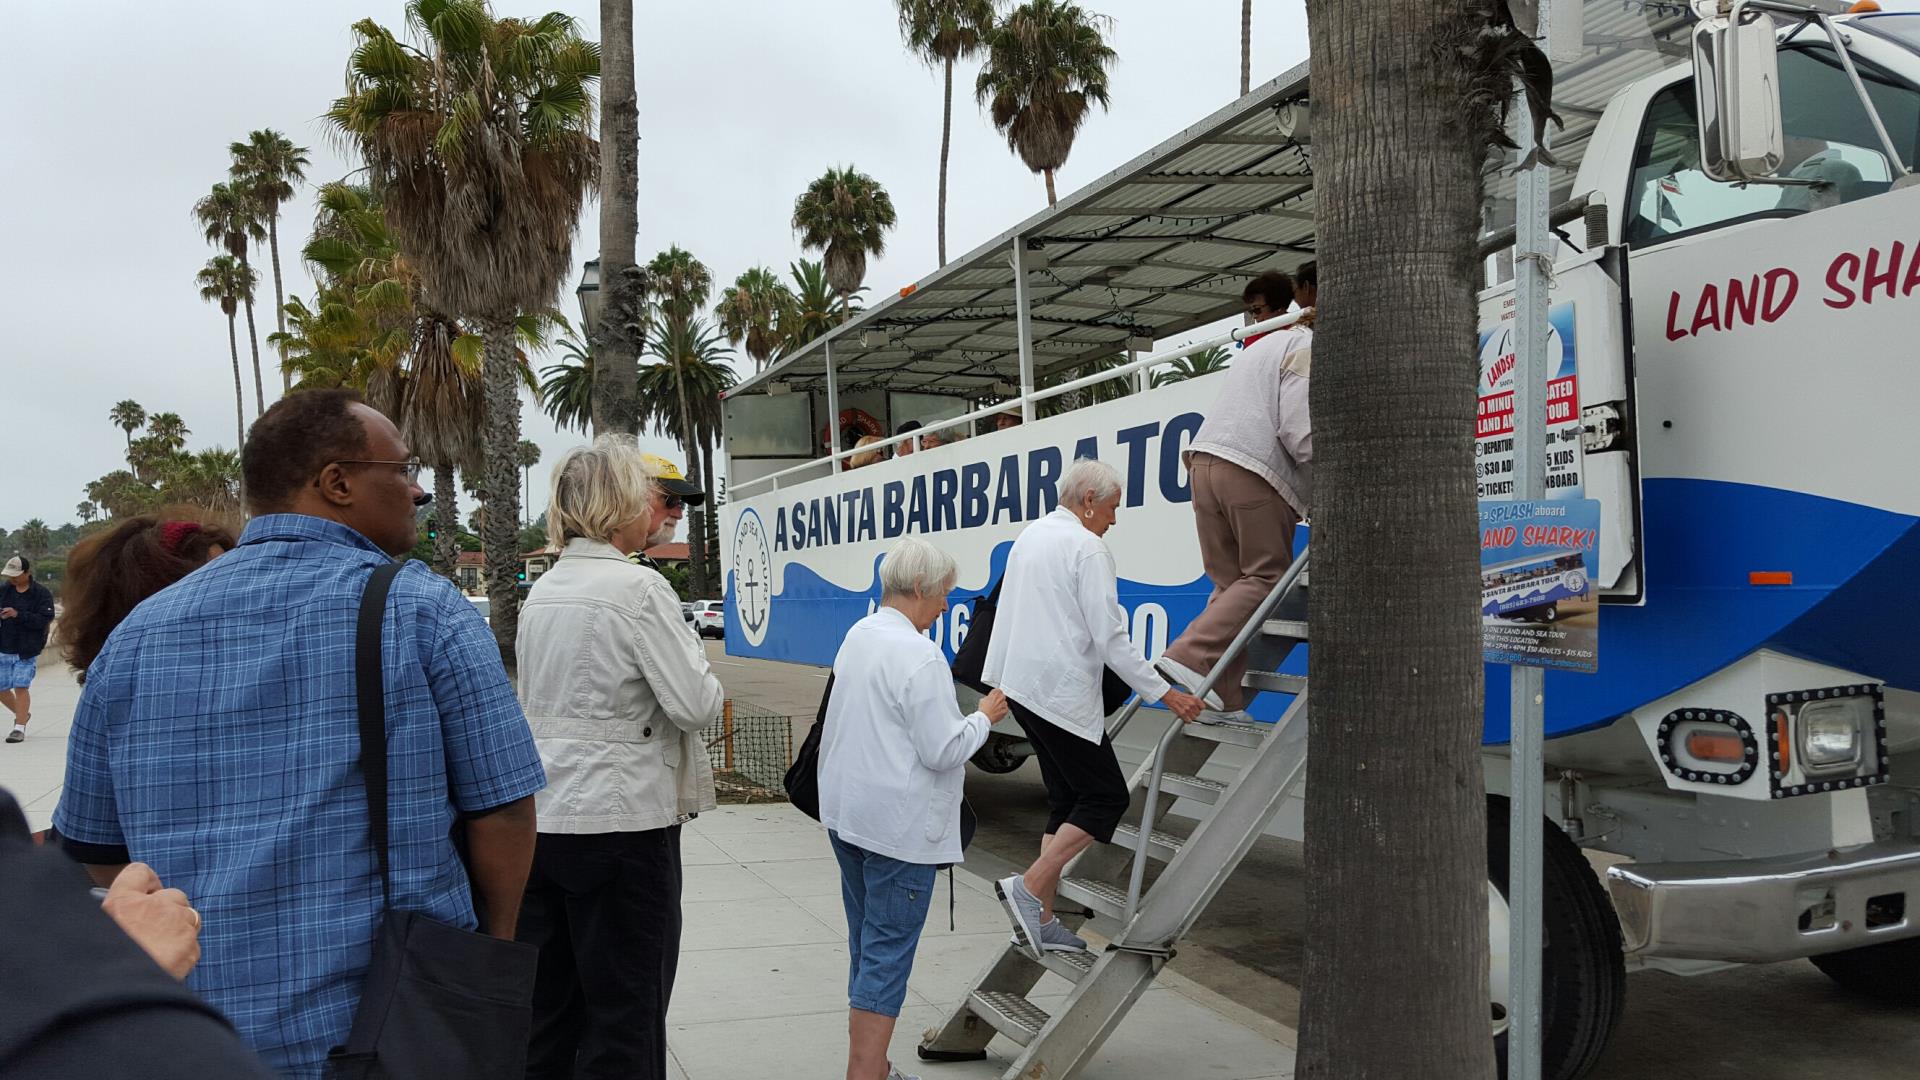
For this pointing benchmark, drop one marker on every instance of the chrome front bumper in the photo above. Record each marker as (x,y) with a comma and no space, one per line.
(1761,910)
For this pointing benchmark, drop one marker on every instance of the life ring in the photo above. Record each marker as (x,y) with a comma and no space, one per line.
(857,419)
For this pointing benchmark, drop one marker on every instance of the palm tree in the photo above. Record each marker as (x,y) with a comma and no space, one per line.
(121,493)
(170,429)
(526,454)
(269,166)
(1246,47)
(566,388)
(754,310)
(129,417)
(230,216)
(209,480)
(941,32)
(1046,68)
(229,282)
(623,290)
(478,137)
(680,282)
(1110,390)
(87,510)
(814,309)
(1194,365)
(682,394)
(34,538)
(845,214)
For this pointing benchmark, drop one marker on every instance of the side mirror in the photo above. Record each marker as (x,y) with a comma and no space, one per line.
(1736,85)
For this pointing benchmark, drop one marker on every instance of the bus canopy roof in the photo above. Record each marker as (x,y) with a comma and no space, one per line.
(1166,242)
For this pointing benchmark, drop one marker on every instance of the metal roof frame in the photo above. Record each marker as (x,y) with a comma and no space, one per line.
(1164,243)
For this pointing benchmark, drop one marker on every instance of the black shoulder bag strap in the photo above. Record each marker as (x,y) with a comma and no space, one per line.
(371,690)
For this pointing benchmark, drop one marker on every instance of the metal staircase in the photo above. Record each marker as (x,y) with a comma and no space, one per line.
(1109,881)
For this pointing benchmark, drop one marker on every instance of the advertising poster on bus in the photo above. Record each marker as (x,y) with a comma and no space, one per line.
(1493,433)
(1537,600)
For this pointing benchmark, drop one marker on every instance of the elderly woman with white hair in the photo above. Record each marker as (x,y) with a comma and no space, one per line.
(617,692)
(1059,623)
(893,755)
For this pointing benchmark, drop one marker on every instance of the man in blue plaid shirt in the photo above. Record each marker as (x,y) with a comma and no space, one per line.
(216,740)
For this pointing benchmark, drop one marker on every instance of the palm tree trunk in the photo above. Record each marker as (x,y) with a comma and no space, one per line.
(696,545)
(253,340)
(279,297)
(239,389)
(1246,47)
(499,491)
(1395,819)
(712,505)
(946,140)
(614,340)
(1051,197)
(446,522)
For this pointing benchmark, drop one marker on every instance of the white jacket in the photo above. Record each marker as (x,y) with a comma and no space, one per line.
(1059,623)
(894,752)
(617,692)
(1259,421)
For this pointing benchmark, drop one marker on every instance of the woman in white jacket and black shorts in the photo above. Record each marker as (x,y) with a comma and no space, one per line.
(893,756)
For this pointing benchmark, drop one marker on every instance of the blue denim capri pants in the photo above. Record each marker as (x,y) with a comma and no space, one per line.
(887,902)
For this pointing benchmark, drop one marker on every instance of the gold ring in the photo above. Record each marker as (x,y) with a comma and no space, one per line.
(195,912)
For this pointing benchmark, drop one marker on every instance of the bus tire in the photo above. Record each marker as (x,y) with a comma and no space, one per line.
(999,755)
(1888,972)
(1584,977)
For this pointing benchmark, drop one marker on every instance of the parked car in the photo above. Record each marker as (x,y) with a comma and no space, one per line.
(709,618)
(686,609)
(483,606)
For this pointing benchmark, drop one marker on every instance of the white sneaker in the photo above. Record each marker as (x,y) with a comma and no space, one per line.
(18,734)
(894,1073)
(1226,717)
(1185,677)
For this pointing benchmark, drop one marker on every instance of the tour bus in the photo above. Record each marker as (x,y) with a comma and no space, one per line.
(1734,303)
(1532,589)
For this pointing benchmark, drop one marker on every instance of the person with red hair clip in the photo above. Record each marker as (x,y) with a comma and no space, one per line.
(111,572)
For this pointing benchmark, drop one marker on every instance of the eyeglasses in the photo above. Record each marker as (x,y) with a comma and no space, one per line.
(411,467)
(672,501)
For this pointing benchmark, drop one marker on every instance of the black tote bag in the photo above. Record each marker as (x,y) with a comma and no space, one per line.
(438,1001)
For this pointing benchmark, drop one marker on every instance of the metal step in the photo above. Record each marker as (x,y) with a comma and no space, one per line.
(1009,1014)
(1285,628)
(1198,788)
(1274,681)
(1164,845)
(1104,897)
(1232,734)
(1071,966)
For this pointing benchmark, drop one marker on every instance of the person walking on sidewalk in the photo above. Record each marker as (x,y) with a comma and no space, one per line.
(26,610)
(1251,466)
(617,692)
(215,739)
(893,759)
(1059,622)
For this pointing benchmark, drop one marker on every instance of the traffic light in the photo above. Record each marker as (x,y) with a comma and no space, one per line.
(433,533)
(521,577)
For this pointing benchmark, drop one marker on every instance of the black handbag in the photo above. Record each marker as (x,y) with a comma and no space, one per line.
(970,659)
(438,1001)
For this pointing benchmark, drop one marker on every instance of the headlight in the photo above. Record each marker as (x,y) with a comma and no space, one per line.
(1830,734)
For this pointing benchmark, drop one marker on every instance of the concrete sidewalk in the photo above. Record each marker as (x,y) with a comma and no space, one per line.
(761,993)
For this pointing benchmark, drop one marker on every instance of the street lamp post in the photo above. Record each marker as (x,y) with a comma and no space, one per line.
(589,295)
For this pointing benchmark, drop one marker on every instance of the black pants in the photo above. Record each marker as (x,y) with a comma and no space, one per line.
(1085,787)
(604,908)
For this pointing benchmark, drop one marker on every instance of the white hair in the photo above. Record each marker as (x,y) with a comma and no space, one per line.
(1087,478)
(917,568)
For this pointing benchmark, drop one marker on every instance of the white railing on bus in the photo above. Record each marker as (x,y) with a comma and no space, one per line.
(1239,333)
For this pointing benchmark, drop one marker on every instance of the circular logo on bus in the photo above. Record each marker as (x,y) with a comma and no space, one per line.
(752,576)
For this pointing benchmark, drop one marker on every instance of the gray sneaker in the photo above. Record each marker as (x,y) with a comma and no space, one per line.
(1055,937)
(18,734)
(1233,718)
(894,1073)
(1025,912)
(1186,678)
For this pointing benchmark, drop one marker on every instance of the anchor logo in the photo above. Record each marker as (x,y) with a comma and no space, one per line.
(753,576)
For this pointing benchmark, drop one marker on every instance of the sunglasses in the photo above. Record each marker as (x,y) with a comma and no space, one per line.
(672,501)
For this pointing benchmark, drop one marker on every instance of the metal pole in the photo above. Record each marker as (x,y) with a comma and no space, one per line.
(1025,322)
(833,409)
(1532,260)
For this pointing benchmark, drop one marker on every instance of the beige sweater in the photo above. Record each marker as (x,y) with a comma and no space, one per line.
(1259,421)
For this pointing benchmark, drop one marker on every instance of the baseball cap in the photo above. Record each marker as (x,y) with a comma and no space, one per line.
(668,475)
(14,568)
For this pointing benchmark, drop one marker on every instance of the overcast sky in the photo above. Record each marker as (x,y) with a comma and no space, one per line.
(742,103)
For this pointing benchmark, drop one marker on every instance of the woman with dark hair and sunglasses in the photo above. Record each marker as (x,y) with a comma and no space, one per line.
(111,572)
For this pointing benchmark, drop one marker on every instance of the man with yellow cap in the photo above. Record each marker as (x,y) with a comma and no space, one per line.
(672,494)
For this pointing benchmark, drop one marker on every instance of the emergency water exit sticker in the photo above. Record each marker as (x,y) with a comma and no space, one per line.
(1493,434)
(1537,601)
